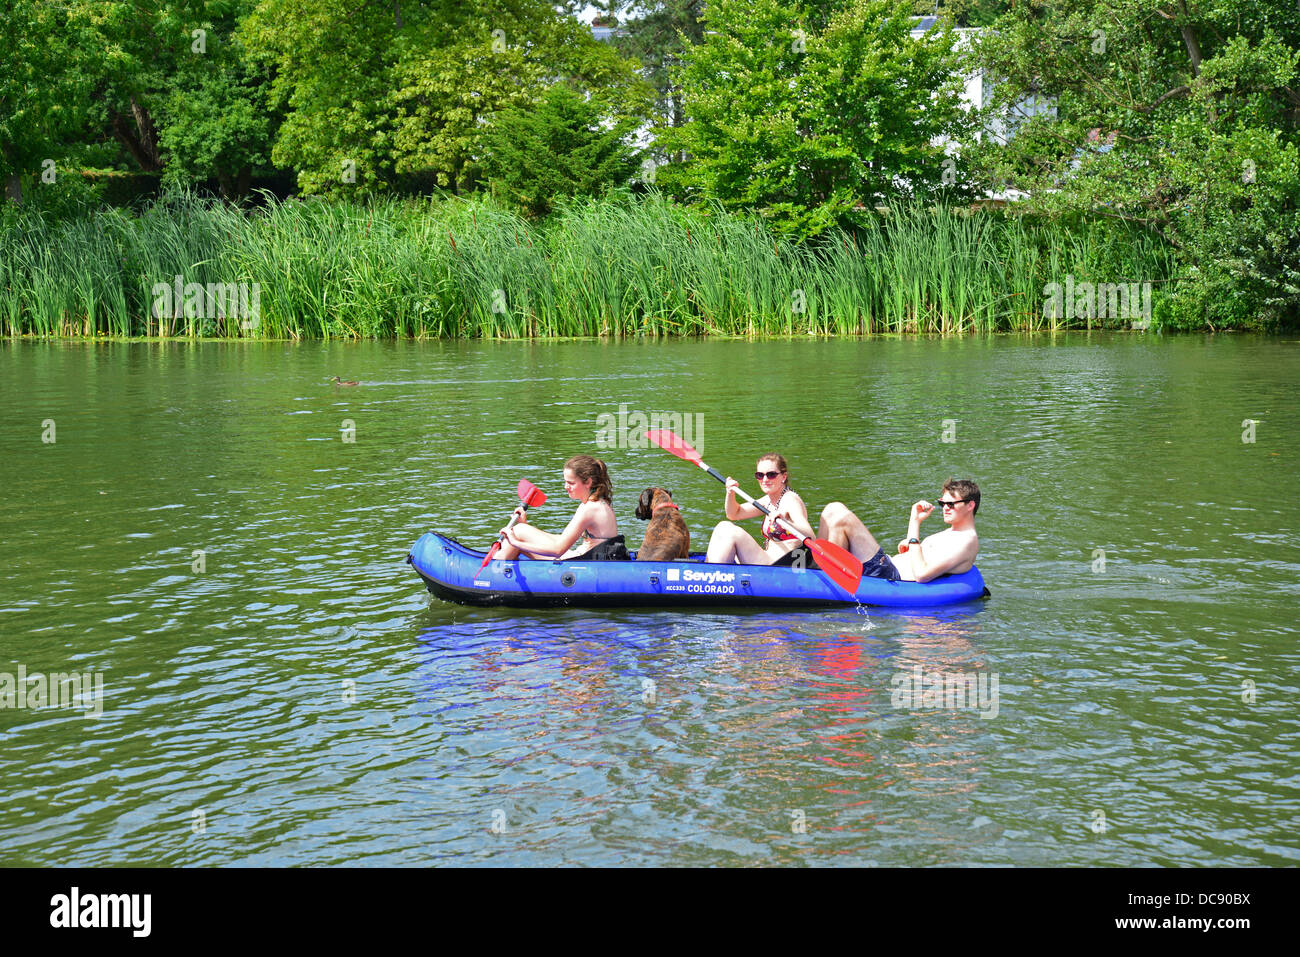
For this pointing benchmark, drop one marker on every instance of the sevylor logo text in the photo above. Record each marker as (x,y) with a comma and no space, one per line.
(708,578)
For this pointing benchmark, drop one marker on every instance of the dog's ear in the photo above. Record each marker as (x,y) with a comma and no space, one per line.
(643,507)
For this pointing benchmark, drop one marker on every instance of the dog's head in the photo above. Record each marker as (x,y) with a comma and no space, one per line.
(649,499)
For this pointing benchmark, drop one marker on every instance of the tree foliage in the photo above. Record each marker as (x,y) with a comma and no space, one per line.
(806,110)
(561,147)
(215,117)
(44,84)
(160,87)
(376,90)
(1180,115)
(655,34)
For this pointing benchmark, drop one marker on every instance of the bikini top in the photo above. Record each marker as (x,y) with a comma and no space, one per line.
(777,534)
(780,536)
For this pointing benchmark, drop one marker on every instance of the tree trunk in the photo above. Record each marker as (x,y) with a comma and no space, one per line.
(1189,40)
(14,188)
(1194,55)
(142,142)
(234,188)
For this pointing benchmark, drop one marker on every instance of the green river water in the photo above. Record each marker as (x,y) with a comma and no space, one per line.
(186,521)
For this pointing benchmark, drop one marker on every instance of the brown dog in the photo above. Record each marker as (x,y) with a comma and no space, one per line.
(666,537)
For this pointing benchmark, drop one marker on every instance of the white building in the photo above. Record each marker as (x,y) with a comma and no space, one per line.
(977,93)
(979,88)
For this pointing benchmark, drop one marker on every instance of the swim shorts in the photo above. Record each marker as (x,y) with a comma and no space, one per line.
(880,565)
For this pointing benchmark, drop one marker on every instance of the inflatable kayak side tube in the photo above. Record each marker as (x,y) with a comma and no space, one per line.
(451,572)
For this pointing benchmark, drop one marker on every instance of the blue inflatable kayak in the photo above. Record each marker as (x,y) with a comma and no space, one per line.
(451,571)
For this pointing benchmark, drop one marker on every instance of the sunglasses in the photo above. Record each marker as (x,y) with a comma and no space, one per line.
(945,503)
(767,475)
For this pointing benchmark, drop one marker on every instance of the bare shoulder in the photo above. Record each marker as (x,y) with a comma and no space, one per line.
(597,514)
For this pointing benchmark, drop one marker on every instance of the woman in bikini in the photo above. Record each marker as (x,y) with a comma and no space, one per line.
(592,533)
(731,544)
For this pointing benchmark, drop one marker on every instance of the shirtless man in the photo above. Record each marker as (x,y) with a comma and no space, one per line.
(948,552)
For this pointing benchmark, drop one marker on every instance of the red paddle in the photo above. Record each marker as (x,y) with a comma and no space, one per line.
(530,495)
(837,562)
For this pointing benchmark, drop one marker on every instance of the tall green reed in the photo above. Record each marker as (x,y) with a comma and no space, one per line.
(617,266)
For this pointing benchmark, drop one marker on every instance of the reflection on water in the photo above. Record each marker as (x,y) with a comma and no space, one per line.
(734,733)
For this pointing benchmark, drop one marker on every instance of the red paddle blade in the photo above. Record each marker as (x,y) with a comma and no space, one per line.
(670,441)
(530,494)
(491,551)
(838,563)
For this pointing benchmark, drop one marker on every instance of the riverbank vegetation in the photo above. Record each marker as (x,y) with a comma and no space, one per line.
(721,168)
(622,265)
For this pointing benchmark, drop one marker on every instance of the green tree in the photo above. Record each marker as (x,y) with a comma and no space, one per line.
(215,119)
(656,36)
(807,109)
(103,82)
(377,90)
(963,13)
(563,146)
(43,87)
(1180,116)
(150,60)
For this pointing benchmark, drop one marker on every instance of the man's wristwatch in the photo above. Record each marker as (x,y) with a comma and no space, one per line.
(914,541)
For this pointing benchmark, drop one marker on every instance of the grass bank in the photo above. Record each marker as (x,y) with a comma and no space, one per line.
(620,266)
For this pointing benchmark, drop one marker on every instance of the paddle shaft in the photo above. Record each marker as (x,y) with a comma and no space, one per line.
(529,494)
(757,504)
(496,546)
(514,520)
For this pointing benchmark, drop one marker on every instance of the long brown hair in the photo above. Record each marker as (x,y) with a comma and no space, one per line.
(593,471)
